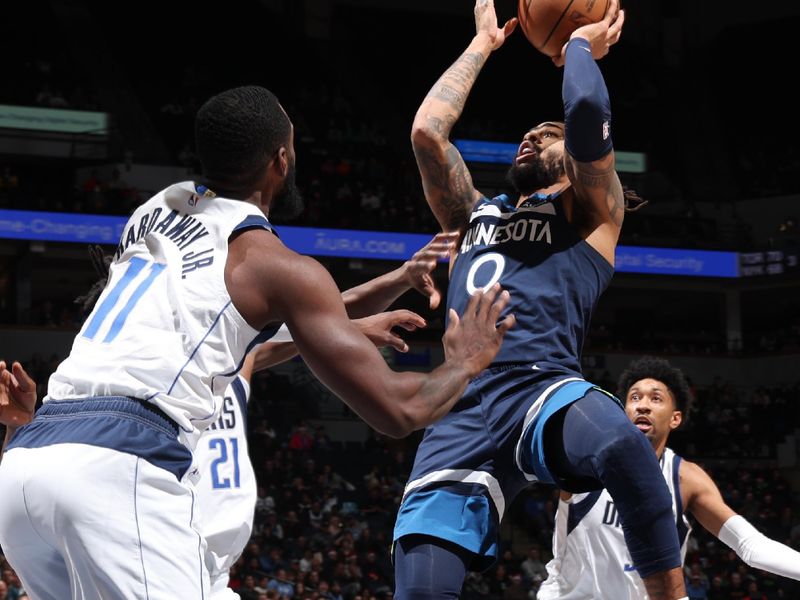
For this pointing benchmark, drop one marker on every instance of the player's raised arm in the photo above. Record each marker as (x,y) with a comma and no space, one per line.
(300,292)
(589,153)
(447,182)
(705,502)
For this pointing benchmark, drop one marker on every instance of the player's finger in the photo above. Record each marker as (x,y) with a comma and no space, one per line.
(507,323)
(26,383)
(474,302)
(403,314)
(487,301)
(453,320)
(407,325)
(498,306)
(434,299)
(615,30)
(560,59)
(510,26)
(611,10)
(396,342)
(445,236)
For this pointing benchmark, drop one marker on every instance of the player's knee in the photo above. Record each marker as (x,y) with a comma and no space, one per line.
(630,471)
(625,446)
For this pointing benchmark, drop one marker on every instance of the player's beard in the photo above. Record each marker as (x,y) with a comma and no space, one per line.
(288,203)
(539,174)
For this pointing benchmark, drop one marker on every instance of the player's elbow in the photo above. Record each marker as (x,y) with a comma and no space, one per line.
(424,135)
(396,426)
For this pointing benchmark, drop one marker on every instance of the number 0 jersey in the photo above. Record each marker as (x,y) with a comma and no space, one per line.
(164,330)
(554,277)
(590,558)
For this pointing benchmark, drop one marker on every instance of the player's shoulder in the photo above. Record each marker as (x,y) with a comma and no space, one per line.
(258,256)
(693,478)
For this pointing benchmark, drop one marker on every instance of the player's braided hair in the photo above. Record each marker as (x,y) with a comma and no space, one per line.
(100,262)
(633,201)
(651,367)
(236,133)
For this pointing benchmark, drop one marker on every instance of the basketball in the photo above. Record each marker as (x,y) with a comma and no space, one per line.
(548,23)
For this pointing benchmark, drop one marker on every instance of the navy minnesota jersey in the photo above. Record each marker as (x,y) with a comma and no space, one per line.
(554,277)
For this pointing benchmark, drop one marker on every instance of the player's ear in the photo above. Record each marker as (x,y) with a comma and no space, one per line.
(676,420)
(282,161)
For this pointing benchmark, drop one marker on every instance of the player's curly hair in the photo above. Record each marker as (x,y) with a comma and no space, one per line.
(651,367)
(236,133)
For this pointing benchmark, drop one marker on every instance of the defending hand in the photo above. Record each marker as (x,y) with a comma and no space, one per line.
(474,339)
(17,396)
(419,267)
(378,328)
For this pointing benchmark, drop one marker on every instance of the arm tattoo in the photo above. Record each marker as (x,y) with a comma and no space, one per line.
(450,183)
(590,177)
(441,126)
(454,86)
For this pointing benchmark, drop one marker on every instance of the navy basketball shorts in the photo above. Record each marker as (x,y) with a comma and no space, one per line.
(473,462)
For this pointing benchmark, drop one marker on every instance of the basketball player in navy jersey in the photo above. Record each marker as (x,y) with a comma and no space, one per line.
(97,490)
(587,537)
(530,416)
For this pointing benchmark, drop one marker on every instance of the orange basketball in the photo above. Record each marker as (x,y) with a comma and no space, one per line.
(548,23)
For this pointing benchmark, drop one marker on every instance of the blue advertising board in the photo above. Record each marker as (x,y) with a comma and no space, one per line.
(346,243)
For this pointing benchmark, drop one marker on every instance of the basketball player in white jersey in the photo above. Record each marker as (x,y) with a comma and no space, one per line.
(590,558)
(226,491)
(98,499)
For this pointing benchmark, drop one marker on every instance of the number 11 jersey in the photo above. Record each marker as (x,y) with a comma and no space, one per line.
(164,330)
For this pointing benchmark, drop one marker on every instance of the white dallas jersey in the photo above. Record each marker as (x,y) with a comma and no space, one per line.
(226,491)
(591,560)
(164,329)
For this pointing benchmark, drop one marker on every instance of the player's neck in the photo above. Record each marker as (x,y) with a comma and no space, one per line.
(659,446)
(558,186)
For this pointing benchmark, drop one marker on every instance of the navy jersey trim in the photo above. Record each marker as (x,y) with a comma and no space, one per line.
(115,422)
(683,531)
(578,510)
(254,222)
(241,397)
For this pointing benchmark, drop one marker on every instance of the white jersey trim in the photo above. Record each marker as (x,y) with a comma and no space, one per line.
(464,476)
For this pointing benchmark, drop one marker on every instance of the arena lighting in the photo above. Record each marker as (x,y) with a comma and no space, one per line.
(382,245)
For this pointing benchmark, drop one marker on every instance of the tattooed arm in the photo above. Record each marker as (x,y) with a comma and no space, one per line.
(447,182)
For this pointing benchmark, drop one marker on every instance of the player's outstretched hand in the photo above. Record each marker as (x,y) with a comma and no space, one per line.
(419,267)
(601,35)
(474,339)
(17,395)
(378,328)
